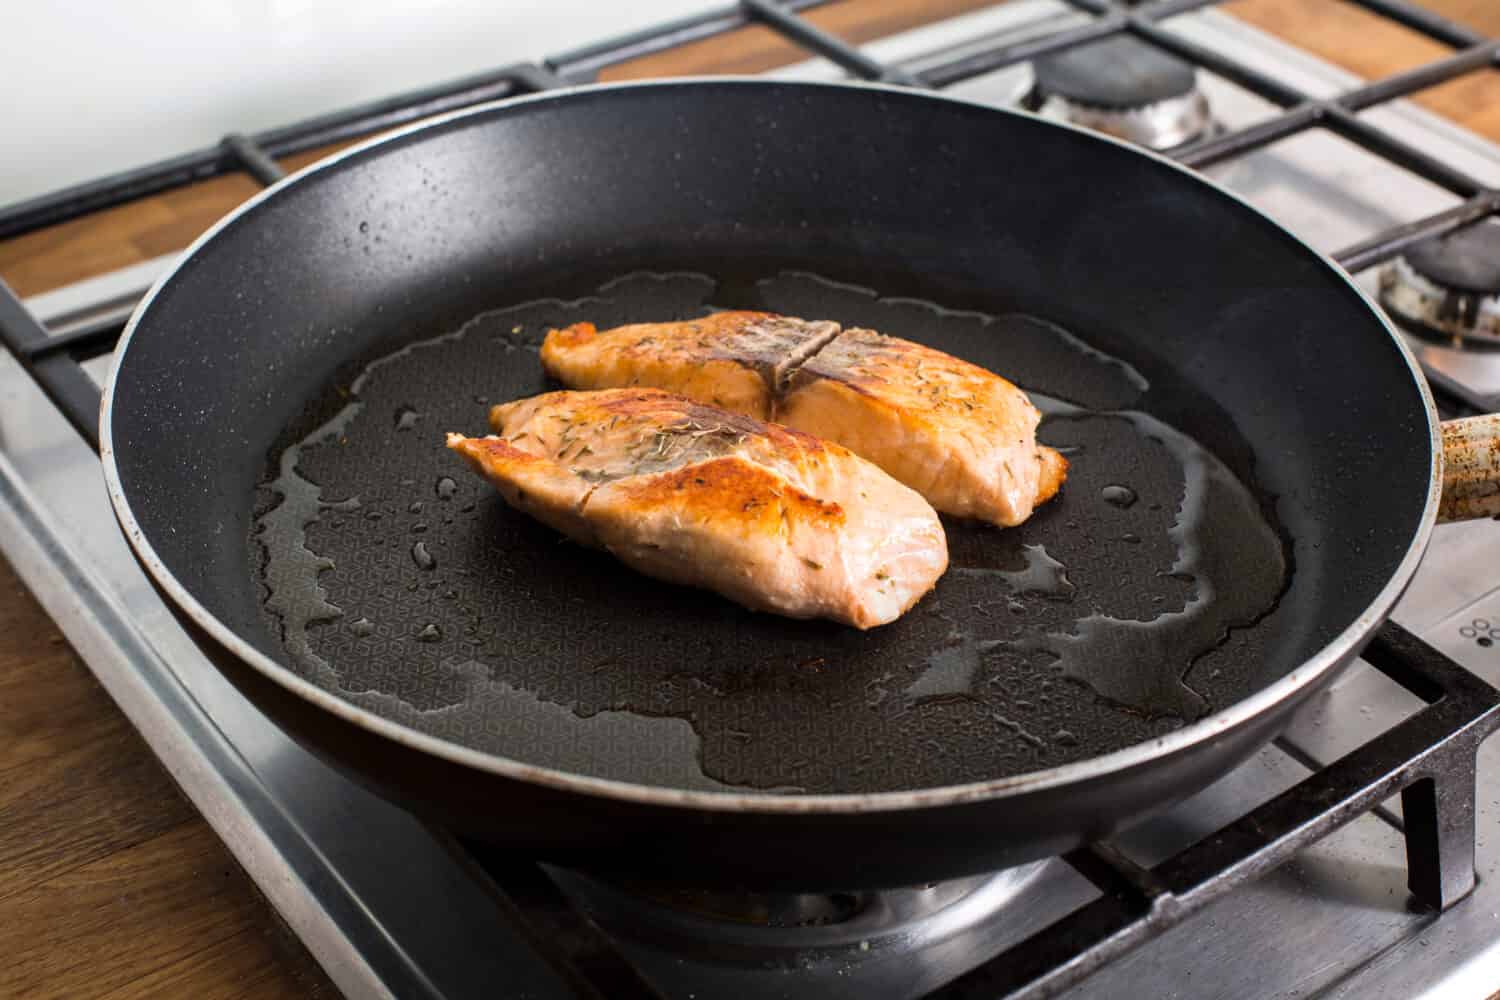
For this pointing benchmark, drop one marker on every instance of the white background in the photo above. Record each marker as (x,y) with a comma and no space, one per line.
(92,86)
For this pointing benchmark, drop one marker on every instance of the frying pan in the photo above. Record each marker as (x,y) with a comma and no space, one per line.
(1256,468)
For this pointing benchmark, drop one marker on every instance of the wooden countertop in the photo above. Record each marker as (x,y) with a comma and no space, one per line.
(110,884)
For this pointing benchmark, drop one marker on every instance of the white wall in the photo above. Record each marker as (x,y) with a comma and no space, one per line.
(92,86)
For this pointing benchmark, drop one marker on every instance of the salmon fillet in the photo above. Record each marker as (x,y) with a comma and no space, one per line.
(960,435)
(731,359)
(771,518)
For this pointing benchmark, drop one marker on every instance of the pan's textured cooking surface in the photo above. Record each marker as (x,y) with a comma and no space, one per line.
(1102,621)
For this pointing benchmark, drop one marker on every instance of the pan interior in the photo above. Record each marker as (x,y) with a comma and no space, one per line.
(1141,598)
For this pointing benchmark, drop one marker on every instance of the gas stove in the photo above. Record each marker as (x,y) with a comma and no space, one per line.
(1247,889)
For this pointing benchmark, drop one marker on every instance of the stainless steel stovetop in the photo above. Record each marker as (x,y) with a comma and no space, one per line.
(390,909)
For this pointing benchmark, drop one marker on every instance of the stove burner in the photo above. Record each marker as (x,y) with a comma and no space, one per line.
(1125,88)
(791,929)
(1448,289)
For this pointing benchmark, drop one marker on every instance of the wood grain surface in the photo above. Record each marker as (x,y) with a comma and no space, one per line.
(110,885)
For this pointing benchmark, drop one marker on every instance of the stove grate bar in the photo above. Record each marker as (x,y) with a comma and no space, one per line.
(1434,26)
(252,158)
(1428,757)
(1383,246)
(1304,112)
(583,64)
(56,371)
(830,47)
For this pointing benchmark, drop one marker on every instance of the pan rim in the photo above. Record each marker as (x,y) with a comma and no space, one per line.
(1336,652)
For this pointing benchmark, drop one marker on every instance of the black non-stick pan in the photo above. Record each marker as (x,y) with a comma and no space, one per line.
(1256,467)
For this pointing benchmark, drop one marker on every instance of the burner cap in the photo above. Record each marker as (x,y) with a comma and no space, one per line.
(1119,73)
(1125,88)
(1465,261)
(1448,289)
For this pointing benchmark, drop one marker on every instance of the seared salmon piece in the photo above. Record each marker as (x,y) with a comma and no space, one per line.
(735,360)
(960,435)
(771,518)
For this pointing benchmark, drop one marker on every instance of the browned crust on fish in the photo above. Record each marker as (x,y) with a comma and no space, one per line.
(1054,473)
(730,488)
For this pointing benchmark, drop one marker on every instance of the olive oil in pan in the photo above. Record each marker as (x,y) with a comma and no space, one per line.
(1041,575)
(1227,592)
(559,656)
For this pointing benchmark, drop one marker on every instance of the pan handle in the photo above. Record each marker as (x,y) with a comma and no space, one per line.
(1471,468)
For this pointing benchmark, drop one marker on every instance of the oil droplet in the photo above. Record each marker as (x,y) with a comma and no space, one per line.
(445,488)
(406,418)
(1064,738)
(362,626)
(422,557)
(364,227)
(430,633)
(1118,496)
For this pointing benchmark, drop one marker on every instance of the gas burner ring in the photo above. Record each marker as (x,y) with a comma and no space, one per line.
(1125,88)
(1160,126)
(792,929)
(1454,317)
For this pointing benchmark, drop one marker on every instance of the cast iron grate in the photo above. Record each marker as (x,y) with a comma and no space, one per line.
(1429,757)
